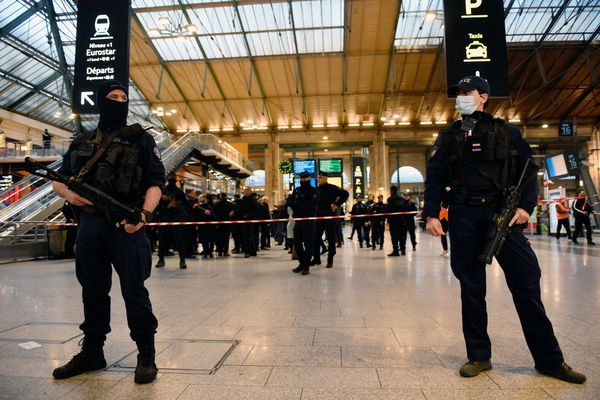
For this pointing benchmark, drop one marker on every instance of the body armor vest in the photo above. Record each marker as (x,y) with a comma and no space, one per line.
(481,161)
(116,172)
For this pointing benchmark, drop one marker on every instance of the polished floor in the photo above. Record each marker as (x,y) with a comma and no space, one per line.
(373,327)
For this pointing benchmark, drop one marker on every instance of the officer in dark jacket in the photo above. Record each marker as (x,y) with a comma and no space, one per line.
(223,212)
(359,208)
(304,202)
(249,210)
(396,203)
(172,207)
(409,221)
(331,198)
(131,170)
(377,223)
(582,209)
(475,160)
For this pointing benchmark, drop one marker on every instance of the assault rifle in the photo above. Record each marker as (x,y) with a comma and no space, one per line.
(106,203)
(499,228)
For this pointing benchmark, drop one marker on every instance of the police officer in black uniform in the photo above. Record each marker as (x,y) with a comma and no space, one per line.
(331,198)
(409,221)
(476,159)
(131,170)
(582,209)
(377,223)
(396,203)
(304,202)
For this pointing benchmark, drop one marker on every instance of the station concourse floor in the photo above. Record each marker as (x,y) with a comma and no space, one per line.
(373,327)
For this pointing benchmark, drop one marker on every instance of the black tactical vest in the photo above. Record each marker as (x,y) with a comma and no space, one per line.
(480,161)
(117,172)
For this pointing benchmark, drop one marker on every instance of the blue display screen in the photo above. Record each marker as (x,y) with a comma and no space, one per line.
(313,182)
(300,166)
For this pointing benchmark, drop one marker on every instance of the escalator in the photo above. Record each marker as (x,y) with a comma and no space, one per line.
(38,202)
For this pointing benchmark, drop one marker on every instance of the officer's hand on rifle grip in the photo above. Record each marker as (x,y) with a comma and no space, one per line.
(521,217)
(132,228)
(434,227)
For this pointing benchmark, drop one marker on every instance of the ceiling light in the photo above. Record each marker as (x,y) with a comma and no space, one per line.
(164,20)
(182,130)
(514,120)
(383,118)
(228,129)
(390,123)
(430,15)
(354,124)
(248,128)
(442,122)
(173,111)
(318,126)
(297,127)
(405,123)
(214,130)
(426,122)
(325,137)
(435,135)
(544,126)
(334,125)
(168,113)
(325,149)
(368,124)
(262,128)
(283,127)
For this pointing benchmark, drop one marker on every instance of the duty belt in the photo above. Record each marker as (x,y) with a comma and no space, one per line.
(475,200)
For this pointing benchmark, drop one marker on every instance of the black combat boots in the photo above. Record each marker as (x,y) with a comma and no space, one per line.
(145,371)
(90,358)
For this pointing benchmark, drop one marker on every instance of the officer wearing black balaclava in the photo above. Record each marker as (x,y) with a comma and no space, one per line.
(471,165)
(129,169)
(304,202)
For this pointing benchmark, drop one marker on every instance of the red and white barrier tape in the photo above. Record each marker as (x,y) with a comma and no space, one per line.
(245,221)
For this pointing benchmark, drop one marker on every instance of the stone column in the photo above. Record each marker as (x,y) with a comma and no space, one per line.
(272,175)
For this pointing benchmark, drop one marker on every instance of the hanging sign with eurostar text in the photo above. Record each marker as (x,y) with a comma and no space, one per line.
(101,50)
(475,42)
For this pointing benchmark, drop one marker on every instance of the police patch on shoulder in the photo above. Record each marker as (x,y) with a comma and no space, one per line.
(434,150)
(157,153)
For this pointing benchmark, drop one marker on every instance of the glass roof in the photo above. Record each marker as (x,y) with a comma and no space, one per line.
(421,23)
(267,26)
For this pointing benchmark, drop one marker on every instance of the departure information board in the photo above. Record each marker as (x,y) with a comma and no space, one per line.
(331,165)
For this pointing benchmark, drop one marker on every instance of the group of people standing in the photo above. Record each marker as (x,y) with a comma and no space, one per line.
(370,229)
(179,206)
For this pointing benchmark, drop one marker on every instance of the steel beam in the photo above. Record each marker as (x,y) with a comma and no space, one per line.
(254,69)
(389,68)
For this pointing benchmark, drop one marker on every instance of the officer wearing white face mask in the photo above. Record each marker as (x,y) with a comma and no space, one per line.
(469,167)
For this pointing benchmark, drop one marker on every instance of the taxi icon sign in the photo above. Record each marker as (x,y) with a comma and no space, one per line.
(476,49)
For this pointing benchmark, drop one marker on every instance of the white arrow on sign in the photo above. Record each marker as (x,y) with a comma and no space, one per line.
(85,96)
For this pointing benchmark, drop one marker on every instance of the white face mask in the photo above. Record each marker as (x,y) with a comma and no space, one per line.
(465,105)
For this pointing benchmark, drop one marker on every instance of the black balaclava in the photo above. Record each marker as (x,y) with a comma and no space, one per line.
(113,114)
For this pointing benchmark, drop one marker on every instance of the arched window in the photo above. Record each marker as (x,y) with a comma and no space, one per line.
(257,179)
(407,175)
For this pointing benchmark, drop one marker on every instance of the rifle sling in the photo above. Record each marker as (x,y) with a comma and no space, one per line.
(103,147)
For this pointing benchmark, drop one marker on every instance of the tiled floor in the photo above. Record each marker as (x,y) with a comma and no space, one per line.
(373,327)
